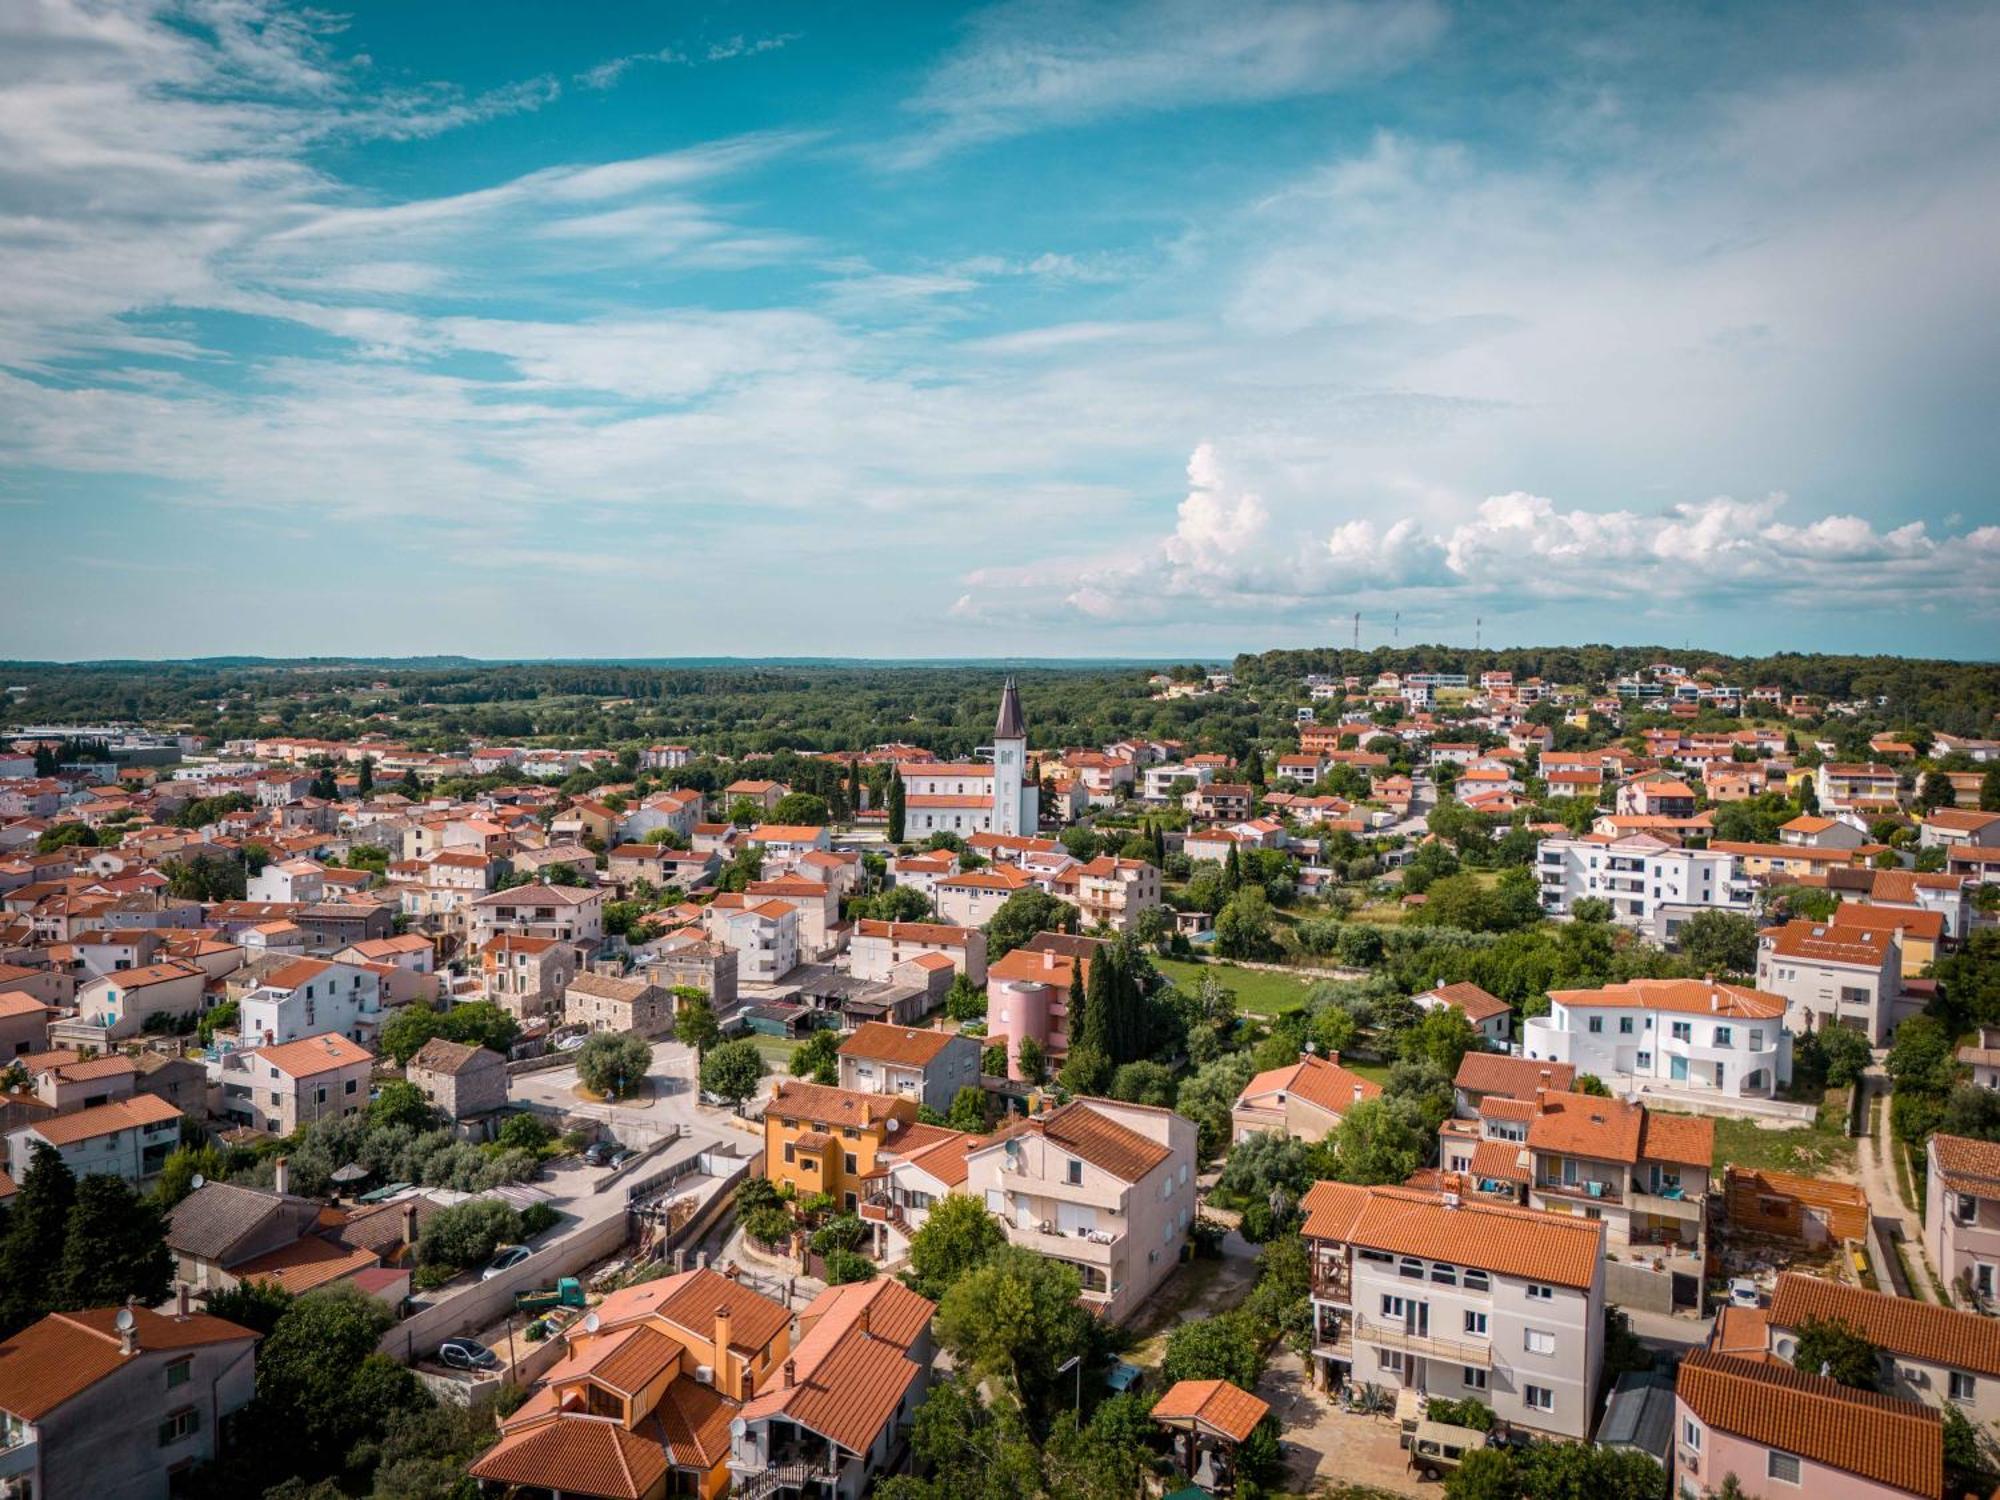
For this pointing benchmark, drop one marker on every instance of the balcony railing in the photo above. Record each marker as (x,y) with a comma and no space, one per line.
(1401,1336)
(1584,1191)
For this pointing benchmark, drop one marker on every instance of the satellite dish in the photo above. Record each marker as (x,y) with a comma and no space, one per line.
(592,1323)
(738,1427)
(893,1123)
(197,1181)
(125,1322)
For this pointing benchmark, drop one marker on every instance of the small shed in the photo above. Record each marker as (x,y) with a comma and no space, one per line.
(1211,1420)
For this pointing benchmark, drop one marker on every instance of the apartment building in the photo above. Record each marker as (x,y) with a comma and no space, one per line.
(310,997)
(833,1421)
(1834,976)
(971,897)
(763,934)
(1426,1290)
(569,914)
(1644,1174)
(826,1140)
(1841,785)
(1027,998)
(1957,828)
(876,949)
(1112,892)
(817,905)
(927,1066)
(1934,1355)
(1649,883)
(1962,1218)
(278,1089)
(1103,1186)
(120,1004)
(1781,1433)
(1306,1100)
(128,1138)
(114,1403)
(1693,1034)
(1220,801)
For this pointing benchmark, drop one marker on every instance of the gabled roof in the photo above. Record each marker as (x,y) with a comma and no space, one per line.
(1215,1405)
(1523,1242)
(578,1455)
(47,1363)
(1472,1000)
(1684,996)
(314,1055)
(902,1046)
(831,1106)
(1094,1136)
(844,1379)
(1517,1077)
(105,1119)
(1317,1081)
(1968,1165)
(1896,1325)
(440,1056)
(1893,1442)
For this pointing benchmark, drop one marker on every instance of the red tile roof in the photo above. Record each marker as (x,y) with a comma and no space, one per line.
(1216,1405)
(1897,1325)
(47,1363)
(1524,1242)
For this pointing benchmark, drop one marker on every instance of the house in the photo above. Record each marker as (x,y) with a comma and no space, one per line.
(976,797)
(461,1081)
(118,1403)
(816,904)
(642,1401)
(1642,1173)
(825,1140)
(1306,1100)
(1813,831)
(1484,1075)
(1428,1290)
(684,961)
(1648,882)
(921,871)
(1962,1217)
(299,880)
(927,1066)
(765,794)
(1845,785)
(786,844)
(585,820)
(223,1225)
(1983,1058)
(121,1004)
(1780,1432)
(1490,1016)
(410,962)
(569,914)
(24,1025)
(86,1082)
(1220,801)
(763,934)
(1833,976)
(310,997)
(1656,795)
(1916,934)
(604,1002)
(832,1423)
(1930,1354)
(1955,828)
(1027,998)
(526,976)
(278,1089)
(919,1169)
(128,1138)
(1103,1186)
(1112,892)
(1693,1034)
(971,898)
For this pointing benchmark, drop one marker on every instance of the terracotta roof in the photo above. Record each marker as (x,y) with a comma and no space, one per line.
(692,1420)
(20,1003)
(1897,1325)
(1516,1077)
(847,1382)
(1688,1140)
(1856,917)
(635,1359)
(1895,1443)
(120,1114)
(1499,1161)
(1742,1331)
(1524,1242)
(831,1106)
(904,1046)
(1586,1125)
(1102,1141)
(690,1300)
(314,1055)
(1316,1080)
(944,1159)
(1687,996)
(1025,965)
(1822,943)
(942,934)
(305,1264)
(1472,1000)
(578,1455)
(610,987)
(440,1056)
(47,1363)
(1215,1404)
(89,1068)
(1967,1165)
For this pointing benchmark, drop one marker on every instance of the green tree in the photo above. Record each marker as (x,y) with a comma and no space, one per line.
(182,1166)
(1021,916)
(819,1058)
(1086,1070)
(365,780)
(321,1383)
(733,1071)
(958,1237)
(256,1305)
(1029,1058)
(801,809)
(1144,1082)
(965,1001)
(968,1109)
(1838,1350)
(613,1063)
(1989,789)
(401,1103)
(695,1024)
(1209,1094)
(466,1234)
(1378,1143)
(1441,1037)
(1935,791)
(480,1023)
(1014,1319)
(403,1035)
(1243,926)
(1719,942)
(115,1247)
(1590,1083)
(895,807)
(37,1227)
(1225,1347)
(526,1132)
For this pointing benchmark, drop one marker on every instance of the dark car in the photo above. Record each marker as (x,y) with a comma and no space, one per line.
(602,1153)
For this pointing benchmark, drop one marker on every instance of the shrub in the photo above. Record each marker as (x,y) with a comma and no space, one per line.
(843,1266)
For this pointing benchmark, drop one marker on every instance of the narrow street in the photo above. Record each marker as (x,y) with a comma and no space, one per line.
(1885,1199)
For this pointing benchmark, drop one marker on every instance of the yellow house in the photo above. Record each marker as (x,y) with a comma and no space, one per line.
(825,1140)
(641,1403)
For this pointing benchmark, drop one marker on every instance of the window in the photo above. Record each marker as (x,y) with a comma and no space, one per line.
(179,1426)
(1683,1031)
(1395,1307)
(1691,1434)
(1475,1323)
(1538,1398)
(1474,1378)
(1390,1361)
(791,1154)
(1782,1466)
(1377,1255)
(1539,1293)
(1443,1274)
(1724,1036)
(1756,1040)
(180,1372)
(353,1085)
(1624,1025)
(1968,1208)
(1644,1059)
(1540,1341)
(1962,1386)
(1595,1025)
(1075,1171)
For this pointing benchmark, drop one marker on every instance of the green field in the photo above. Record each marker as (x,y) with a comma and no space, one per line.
(1256,991)
(1810,1150)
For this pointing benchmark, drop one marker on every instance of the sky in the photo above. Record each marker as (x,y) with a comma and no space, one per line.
(1037,328)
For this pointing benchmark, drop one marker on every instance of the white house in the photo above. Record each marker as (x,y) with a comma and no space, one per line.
(978,796)
(1648,882)
(311,997)
(1684,1034)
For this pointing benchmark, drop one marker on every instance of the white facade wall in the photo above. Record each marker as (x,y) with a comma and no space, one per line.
(1638,882)
(1722,1054)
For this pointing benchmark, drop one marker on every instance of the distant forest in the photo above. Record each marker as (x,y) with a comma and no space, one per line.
(731,709)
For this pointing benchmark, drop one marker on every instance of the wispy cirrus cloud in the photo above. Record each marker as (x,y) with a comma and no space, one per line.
(611,71)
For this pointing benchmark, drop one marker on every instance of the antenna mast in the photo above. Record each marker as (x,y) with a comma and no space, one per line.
(1357,630)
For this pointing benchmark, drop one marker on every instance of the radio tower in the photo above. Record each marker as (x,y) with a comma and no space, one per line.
(1396,630)
(1477,625)
(1357,630)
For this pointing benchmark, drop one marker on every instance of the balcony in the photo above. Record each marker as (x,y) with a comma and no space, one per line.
(1332,1285)
(1094,1246)
(18,1450)
(1333,1337)
(1398,1336)
(1673,1205)
(1582,1190)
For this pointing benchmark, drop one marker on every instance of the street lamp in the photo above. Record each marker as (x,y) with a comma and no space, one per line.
(1074,1362)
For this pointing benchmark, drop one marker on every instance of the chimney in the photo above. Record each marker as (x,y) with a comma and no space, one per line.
(410,1226)
(1357,1093)
(128,1330)
(1542,1096)
(1547,1077)
(721,1336)
(861,1322)
(180,1299)
(283,1179)
(791,1372)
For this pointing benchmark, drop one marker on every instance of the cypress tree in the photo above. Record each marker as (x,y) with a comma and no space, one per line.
(895,807)
(1232,872)
(37,1227)
(366,783)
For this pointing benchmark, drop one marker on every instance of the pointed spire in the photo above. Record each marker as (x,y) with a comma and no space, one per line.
(1010,726)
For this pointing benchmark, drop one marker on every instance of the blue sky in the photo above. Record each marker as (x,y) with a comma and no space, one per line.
(1039,328)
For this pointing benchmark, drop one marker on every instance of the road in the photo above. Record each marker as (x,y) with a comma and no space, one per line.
(671,1100)
(1885,1198)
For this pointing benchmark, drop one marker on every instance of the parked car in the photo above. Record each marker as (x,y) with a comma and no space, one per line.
(1439,1448)
(601,1153)
(571,1043)
(1743,1293)
(467,1354)
(505,1259)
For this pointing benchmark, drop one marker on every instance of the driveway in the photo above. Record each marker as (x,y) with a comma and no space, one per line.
(1885,1197)
(1324,1445)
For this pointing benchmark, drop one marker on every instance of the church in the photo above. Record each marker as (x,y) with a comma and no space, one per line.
(985,796)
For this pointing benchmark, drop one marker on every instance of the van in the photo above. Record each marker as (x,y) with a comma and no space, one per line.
(1439,1448)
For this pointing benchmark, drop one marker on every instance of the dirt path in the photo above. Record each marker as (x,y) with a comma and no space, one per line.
(1198,1289)
(1885,1197)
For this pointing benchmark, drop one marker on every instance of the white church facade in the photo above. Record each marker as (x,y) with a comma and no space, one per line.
(984,796)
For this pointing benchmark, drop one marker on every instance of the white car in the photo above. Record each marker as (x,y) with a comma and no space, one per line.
(571,1043)
(505,1259)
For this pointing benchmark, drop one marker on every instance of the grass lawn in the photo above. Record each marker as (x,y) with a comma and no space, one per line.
(777,1050)
(1257,992)
(1810,1150)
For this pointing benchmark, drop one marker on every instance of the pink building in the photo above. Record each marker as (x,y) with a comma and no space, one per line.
(1962,1218)
(1027,996)
(1783,1433)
